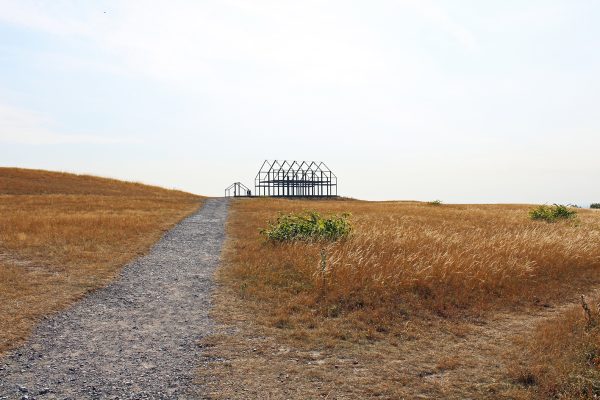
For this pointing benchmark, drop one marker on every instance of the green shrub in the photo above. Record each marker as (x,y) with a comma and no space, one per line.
(552,213)
(595,205)
(308,225)
(435,203)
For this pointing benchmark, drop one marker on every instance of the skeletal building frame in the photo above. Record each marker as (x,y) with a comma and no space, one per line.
(283,178)
(238,189)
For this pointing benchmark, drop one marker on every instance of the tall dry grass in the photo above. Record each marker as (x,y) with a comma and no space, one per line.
(405,258)
(560,359)
(62,235)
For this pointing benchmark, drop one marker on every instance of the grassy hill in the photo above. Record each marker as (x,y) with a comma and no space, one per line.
(31,182)
(62,235)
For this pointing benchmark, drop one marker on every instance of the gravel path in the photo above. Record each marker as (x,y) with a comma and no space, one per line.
(136,338)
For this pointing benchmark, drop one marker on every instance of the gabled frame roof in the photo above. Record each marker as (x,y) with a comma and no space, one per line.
(295,178)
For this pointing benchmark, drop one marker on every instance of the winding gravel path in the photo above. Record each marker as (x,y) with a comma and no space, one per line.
(136,338)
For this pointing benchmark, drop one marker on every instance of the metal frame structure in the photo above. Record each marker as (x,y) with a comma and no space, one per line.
(239,190)
(283,178)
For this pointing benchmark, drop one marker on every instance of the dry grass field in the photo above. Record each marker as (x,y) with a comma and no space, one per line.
(62,235)
(421,299)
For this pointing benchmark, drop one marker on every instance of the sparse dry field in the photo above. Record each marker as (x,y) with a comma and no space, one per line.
(420,300)
(560,358)
(62,235)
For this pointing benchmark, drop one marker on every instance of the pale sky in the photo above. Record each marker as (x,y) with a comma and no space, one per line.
(463,101)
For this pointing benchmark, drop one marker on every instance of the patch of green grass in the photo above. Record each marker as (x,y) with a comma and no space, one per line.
(308,226)
(552,213)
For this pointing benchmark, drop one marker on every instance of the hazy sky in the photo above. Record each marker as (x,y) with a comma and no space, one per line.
(464,101)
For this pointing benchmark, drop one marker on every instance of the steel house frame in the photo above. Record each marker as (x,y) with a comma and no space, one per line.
(239,190)
(283,178)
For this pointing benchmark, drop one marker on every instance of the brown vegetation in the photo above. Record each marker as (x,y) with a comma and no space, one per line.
(420,299)
(62,235)
(404,258)
(561,356)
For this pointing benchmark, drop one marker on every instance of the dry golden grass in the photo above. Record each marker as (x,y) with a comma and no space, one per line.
(403,258)
(561,357)
(28,181)
(62,235)
(420,300)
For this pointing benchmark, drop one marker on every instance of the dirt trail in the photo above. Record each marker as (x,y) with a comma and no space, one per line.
(135,339)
